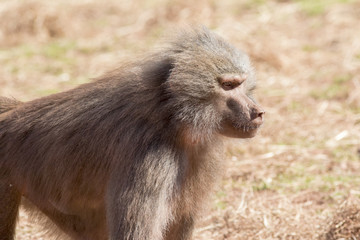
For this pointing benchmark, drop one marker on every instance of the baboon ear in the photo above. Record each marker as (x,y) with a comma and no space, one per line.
(158,71)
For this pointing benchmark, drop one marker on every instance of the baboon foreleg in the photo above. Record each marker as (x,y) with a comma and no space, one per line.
(181,229)
(9,204)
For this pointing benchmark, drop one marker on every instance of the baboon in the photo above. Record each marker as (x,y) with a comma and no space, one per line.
(7,104)
(134,154)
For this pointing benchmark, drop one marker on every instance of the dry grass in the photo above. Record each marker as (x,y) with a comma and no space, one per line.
(345,224)
(299,178)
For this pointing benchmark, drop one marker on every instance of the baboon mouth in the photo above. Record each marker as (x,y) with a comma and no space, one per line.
(249,128)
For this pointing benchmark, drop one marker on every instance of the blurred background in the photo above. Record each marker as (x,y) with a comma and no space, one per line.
(299,178)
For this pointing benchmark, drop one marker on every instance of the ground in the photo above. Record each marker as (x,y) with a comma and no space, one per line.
(299,178)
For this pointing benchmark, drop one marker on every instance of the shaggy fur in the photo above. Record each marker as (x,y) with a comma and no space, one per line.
(132,155)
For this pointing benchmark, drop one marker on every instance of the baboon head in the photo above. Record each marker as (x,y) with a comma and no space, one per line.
(213,84)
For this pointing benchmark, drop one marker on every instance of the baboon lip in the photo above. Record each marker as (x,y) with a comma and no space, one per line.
(250,126)
(247,128)
(247,124)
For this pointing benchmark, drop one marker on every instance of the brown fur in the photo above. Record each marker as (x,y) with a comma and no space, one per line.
(134,154)
(6,104)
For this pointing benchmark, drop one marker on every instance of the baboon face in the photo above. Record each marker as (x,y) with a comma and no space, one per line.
(211,83)
(241,116)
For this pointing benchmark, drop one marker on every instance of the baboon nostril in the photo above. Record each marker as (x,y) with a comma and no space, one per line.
(261,114)
(257,113)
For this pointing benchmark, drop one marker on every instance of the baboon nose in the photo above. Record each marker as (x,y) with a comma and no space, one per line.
(261,114)
(257,115)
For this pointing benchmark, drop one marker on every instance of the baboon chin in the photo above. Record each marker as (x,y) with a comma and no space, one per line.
(134,154)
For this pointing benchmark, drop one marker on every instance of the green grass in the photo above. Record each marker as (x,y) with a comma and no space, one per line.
(256,2)
(337,89)
(317,7)
(344,153)
(46,92)
(58,49)
(261,186)
(310,48)
(315,175)
(220,204)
